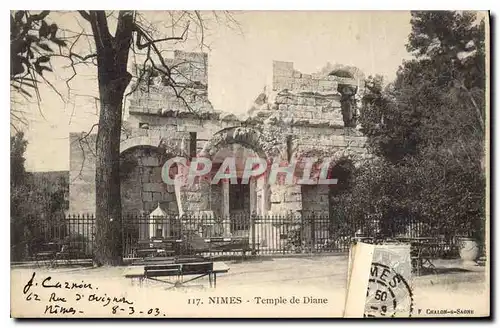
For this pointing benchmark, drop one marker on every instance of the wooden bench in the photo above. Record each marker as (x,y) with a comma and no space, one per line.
(229,244)
(178,270)
(70,252)
(46,253)
(158,247)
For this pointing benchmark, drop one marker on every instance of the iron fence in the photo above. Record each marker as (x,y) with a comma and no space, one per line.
(65,238)
(73,237)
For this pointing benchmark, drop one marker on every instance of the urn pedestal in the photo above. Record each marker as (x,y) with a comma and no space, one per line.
(469,251)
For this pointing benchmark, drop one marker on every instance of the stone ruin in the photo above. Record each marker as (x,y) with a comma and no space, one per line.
(299,115)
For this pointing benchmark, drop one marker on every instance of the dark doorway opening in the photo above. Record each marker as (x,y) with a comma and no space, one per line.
(239,205)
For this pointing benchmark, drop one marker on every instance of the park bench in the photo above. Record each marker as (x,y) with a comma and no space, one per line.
(70,252)
(157,247)
(229,244)
(46,253)
(178,271)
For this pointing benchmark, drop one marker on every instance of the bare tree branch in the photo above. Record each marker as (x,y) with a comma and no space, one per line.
(84,14)
(150,41)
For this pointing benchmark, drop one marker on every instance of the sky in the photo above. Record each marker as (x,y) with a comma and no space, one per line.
(240,65)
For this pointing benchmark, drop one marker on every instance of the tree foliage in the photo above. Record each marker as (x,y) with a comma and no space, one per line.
(427,127)
(37,200)
(437,96)
(32,42)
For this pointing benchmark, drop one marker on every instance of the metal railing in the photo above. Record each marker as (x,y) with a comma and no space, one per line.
(241,234)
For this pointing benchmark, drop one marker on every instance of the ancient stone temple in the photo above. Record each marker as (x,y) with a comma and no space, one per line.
(299,115)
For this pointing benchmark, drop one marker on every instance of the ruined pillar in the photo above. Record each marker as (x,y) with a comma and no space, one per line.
(225,207)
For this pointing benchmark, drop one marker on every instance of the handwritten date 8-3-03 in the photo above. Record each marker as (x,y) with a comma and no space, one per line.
(72,297)
(131,310)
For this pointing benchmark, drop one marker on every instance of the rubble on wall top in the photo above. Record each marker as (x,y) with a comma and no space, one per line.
(296,98)
(286,77)
(160,95)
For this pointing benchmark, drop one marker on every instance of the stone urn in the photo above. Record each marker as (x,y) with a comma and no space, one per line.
(469,250)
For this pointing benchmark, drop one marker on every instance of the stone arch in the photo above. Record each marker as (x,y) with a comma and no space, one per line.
(245,136)
(317,197)
(324,153)
(348,154)
(137,142)
(128,161)
(141,180)
(254,193)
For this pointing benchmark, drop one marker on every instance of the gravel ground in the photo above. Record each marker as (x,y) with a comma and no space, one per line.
(453,287)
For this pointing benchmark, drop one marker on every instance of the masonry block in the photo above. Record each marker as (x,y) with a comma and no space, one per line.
(277,197)
(282,66)
(152,187)
(173,207)
(293,197)
(300,100)
(146,176)
(147,196)
(310,101)
(157,197)
(150,161)
(292,206)
(156,174)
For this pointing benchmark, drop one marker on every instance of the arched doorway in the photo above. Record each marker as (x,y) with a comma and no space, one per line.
(343,171)
(142,187)
(319,199)
(143,191)
(238,198)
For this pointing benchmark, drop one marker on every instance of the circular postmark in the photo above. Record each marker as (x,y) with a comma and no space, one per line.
(388,294)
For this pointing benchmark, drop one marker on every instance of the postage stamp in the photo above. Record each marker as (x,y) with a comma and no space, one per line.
(388,294)
(389,291)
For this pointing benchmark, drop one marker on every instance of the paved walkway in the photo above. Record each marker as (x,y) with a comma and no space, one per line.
(454,286)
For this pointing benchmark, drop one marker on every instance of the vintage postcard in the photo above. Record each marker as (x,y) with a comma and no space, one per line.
(271,164)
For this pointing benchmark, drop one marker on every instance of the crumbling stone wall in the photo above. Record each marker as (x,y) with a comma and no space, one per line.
(306,109)
(303,99)
(159,95)
(299,115)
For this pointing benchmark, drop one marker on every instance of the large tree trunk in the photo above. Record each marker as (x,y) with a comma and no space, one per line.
(108,198)
(112,58)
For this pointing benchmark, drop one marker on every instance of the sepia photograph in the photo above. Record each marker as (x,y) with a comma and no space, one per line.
(249,164)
